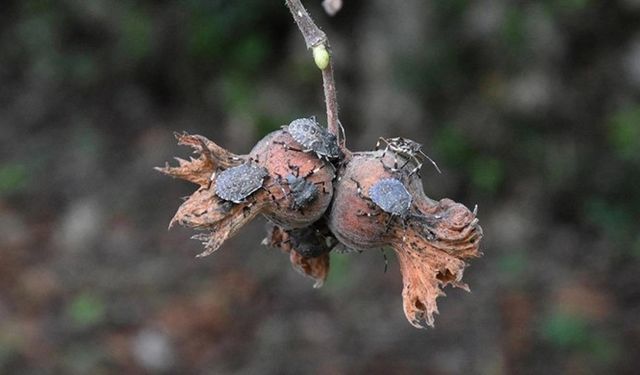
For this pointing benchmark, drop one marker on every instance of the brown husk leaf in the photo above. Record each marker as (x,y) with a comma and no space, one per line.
(316,268)
(432,255)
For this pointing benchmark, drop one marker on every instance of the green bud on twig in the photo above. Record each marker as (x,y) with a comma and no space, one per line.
(321,56)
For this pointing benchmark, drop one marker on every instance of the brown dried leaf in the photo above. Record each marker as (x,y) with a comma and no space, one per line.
(316,268)
(432,255)
(217,155)
(203,209)
(277,237)
(211,157)
(226,228)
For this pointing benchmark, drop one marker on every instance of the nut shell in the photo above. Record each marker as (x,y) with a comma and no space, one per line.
(346,219)
(277,154)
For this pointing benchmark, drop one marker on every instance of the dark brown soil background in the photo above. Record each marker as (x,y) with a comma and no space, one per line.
(530,108)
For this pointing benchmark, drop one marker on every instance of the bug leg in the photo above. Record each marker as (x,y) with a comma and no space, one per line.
(386,262)
(287,147)
(271,195)
(313,171)
(370,204)
(359,190)
(324,186)
(386,142)
(277,183)
(388,223)
(378,144)
(395,162)
(368,214)
(294,168)
(247,209)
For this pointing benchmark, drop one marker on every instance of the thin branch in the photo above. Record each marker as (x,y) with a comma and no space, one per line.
(316,38)
(312,34)
(331,101)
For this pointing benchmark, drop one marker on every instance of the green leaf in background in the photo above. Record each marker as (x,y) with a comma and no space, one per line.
(635,248)
(135,34)
(86,309)
(571,332)
(339,271)
(624,133)
(566,6)
(266,124)
(614,219)
(13,178)
(513,29)
(238,93)
(565,330)
(604,349)
(487,173)
(513,264)
(452,145)
(205,36)
(248,54)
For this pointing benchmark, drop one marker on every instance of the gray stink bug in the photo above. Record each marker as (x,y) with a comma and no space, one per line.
(314,138)
(237,183)
(410,150)
(303,191)
(391,196)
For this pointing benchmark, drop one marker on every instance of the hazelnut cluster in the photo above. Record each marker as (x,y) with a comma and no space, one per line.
(317,194)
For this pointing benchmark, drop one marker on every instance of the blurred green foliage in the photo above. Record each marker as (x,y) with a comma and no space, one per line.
(339,276)
(14,177)
(513,29)
(566,5)
(135,40)
(11,342)
(615,220)
(513,264)
(453,146)
(267,124)
(487,173)
(566,331)
(624,133)
(86,309)
(574,333)
(635,247)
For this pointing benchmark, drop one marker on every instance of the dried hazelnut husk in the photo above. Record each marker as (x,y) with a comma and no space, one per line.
(308,248)
(432,239)
(284,162)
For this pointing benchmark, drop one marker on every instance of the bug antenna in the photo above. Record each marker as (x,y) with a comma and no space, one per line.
(432,162)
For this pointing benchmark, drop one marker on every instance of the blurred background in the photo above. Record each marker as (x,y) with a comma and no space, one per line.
(530,108)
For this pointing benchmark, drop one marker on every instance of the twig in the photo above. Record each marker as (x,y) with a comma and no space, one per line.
(317,40)
(312,34)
